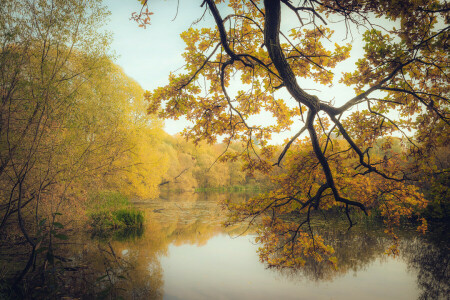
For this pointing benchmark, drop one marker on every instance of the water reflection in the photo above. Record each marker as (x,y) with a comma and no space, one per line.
(355,251)
(132,263)
(185,253)
(429,258)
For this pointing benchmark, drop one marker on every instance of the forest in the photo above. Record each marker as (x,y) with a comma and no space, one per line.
(83,146)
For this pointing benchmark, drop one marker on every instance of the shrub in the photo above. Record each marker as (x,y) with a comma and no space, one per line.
(112,211)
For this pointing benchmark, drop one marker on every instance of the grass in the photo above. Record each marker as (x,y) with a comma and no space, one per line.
(107,200)
(113,211)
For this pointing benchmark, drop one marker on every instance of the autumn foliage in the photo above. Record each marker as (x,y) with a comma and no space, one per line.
(354,152)
(71,123)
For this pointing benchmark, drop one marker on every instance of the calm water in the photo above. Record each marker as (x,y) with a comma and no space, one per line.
(184,253)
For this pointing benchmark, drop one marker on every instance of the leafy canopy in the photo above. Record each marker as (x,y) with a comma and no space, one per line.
(362,152)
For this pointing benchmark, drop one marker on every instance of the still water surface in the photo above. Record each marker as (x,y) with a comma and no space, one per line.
(185,253)
(229,269)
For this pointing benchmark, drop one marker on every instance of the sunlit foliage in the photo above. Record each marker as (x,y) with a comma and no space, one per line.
(363,153)
(191,166)
(70,122)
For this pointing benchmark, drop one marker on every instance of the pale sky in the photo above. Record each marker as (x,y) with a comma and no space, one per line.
(149,55)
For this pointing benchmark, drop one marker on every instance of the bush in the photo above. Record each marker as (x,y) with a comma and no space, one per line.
(112,211)
(130,217)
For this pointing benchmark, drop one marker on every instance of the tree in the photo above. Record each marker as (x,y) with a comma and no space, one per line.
(126,139)
(48,51)
(257,49)
(70,121)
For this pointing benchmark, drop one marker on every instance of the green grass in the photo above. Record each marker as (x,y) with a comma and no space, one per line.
(107,200)
(113,211)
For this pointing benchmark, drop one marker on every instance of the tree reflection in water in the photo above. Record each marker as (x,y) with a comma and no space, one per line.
(131,267)
(429,258)
(355,250)
(134,264)
(360,247)
(192,220)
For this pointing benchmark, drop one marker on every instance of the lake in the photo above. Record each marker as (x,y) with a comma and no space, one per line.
(184,252)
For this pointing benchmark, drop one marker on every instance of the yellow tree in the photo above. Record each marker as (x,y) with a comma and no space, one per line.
(123,137)
(181,160)
(68,118)
(47,50)
(259,48)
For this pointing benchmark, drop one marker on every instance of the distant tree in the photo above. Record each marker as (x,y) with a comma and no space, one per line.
(258,48)
(126,139)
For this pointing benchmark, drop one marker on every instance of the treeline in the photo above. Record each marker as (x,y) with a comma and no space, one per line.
(73,124)
(74,128)
(70,120)
(193,167)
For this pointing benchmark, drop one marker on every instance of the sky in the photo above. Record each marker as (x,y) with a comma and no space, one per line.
(149,55)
